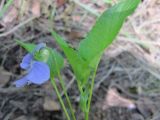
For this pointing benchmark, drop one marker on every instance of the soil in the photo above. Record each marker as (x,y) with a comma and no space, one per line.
(130,67)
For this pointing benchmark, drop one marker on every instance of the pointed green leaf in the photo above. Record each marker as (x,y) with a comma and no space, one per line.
(28,46)
(105,30)
(79,65)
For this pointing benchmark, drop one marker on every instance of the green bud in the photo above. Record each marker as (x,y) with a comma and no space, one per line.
(44,54)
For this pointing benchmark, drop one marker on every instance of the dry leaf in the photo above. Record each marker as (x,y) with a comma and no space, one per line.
(146,107)
(36,8)
(73,35)
(10,16)
(50,105)
(19,9)
(113,99)
(60,2)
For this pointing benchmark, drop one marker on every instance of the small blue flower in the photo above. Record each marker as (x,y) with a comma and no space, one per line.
(38,72)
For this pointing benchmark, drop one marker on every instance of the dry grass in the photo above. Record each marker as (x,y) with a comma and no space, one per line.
(131,64)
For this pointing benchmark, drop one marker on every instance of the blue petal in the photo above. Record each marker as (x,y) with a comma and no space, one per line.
(39,73)
(21,83)
(25,64)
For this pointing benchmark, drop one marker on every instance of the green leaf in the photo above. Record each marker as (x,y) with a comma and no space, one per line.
(28,46)
(54,60)
(105,30)
(108,1)
(79,65)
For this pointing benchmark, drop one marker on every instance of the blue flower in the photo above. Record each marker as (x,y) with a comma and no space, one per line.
(38,72)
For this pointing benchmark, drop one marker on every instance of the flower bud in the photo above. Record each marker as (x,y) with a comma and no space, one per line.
(44,55)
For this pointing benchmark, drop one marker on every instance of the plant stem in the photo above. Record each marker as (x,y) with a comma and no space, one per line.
(64,89)
(86,115)
(90,95)
(60,98)
(66,95)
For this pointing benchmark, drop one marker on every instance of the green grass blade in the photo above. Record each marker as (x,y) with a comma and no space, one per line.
(27,46)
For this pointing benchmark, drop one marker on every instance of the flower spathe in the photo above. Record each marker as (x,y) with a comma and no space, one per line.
(38,72)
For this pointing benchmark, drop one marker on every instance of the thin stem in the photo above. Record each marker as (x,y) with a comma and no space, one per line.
(90,95)
(64,89)
(87,115)
(60,99)
(66,95)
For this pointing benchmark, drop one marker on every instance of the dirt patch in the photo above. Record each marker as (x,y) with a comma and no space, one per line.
(130,65)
